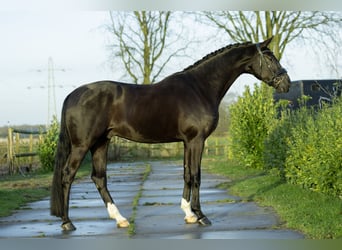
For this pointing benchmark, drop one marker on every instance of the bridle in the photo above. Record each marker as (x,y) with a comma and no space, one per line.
(275,80)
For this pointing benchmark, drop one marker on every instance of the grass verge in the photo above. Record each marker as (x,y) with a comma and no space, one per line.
(18,190)
(317,215)
(135,203)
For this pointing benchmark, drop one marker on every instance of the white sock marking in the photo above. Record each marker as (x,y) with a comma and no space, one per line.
(186,207)
(114,213)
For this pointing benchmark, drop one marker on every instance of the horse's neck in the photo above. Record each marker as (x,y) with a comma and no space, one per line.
(216,75)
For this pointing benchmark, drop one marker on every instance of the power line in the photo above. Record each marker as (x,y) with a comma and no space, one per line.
(51,90)
(51,85)
(61,86)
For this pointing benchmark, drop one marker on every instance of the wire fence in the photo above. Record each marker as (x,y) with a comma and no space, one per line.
(121,149)
(18,152)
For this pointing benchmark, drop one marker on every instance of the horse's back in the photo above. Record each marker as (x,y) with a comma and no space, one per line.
(160,112)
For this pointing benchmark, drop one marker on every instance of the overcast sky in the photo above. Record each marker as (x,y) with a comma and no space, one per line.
(77,44)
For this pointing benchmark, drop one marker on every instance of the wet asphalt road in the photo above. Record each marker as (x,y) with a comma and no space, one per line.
(158,214)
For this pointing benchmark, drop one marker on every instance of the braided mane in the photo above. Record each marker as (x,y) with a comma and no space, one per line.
(219,51)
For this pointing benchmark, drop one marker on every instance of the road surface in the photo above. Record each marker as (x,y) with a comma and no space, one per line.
(157,215)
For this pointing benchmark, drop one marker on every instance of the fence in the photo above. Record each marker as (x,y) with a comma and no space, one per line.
(121,149)
(19,152)
(18,147)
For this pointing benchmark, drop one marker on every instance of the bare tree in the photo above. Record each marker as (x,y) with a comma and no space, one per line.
(141,41)
(284,26)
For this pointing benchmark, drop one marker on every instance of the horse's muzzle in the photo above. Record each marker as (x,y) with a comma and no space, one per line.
(282,83)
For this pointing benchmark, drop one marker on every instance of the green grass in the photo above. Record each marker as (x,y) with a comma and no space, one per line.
(317,215)
(14,199)
(18,190)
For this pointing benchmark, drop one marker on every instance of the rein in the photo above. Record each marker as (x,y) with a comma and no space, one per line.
(275,81)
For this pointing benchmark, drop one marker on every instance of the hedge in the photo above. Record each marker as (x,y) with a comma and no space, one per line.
(314,158)
(250,122)
(303,146)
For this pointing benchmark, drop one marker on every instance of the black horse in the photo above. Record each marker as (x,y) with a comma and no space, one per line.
(182,107)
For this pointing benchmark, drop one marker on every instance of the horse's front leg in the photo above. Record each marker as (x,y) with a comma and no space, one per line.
(195,166)
(190,217)
(192,179)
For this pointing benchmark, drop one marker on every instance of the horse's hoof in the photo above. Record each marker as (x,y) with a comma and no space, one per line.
(190,219)
(204,221)
(68,226)
(122,224)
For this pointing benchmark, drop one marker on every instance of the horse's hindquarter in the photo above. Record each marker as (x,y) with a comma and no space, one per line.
(87,112)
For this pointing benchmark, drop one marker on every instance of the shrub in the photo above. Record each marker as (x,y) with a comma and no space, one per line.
(251,117)
(277,142)
(46,150)
(314,158)
(275,145)
(303,146)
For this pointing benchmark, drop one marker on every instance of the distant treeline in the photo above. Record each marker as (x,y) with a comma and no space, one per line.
(31,128)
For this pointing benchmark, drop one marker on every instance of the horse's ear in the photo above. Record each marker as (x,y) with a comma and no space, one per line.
(267,42)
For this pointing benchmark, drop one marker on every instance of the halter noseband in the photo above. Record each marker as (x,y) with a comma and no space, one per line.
(274,81)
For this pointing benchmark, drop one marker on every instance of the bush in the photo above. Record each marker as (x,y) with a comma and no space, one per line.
(276,146)
(314,158)
(303,146)
(47,149)
(252,118)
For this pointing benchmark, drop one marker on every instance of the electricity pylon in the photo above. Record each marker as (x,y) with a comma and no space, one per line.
(52,111)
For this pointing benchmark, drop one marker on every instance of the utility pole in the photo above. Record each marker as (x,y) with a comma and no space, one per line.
(52,111)
(51,85)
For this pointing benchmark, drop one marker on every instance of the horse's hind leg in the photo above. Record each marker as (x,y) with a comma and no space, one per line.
(99,155)
(68,174)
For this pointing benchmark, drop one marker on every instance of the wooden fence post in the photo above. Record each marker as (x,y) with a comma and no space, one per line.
(206,147)
(10,154)
(31,151)
(17,143)
(14,148)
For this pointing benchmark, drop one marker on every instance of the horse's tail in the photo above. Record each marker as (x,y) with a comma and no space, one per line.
(63,151)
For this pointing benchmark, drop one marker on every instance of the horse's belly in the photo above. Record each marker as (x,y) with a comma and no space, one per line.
(146,133)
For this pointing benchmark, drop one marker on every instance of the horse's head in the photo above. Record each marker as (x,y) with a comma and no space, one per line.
(265,66)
